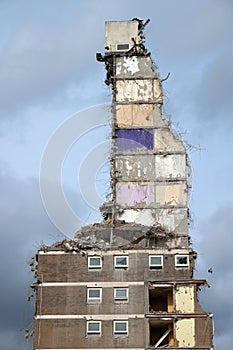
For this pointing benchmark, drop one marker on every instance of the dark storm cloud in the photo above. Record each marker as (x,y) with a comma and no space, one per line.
(215,251)
(50,49)
(46,52)
(213,98)
(24,224)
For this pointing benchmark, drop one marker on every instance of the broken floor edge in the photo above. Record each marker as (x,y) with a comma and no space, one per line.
(96,237)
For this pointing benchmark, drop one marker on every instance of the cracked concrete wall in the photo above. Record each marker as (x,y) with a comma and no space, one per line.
(138,90)
(170,167)
(131,168)
(134,67)
(171,220)
(149,158)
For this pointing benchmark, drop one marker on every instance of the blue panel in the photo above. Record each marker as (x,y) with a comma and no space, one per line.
(134,139)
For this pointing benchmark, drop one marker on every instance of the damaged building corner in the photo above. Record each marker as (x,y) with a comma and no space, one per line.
(127,283)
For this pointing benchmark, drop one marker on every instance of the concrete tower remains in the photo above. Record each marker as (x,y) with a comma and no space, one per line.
(127,283)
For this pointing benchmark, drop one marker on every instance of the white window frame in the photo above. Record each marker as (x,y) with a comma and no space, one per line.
(94,267)
(120,333)
(91,332)
(94,299)
(181,256)
(121,299)
(121,266)
(158,266)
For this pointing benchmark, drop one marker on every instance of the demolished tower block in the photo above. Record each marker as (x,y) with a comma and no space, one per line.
(127,283)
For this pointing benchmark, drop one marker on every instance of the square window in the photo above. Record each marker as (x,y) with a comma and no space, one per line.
(93,327)
(182,260)
(121,261)
(121,294)
(94,295)
(94,262)
(156,261)
(120,327)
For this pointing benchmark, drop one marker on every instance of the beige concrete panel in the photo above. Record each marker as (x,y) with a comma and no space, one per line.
(171,166)
(134,90)
(184,299)
(159,120)
(143,115)
(120,32)
(171,194)
(172,220)
(166,141)
(185,332)
(134,168)
(124,115)
(158,94)
(134,115)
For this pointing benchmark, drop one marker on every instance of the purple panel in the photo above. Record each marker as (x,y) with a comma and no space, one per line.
(130,195)
(133,139)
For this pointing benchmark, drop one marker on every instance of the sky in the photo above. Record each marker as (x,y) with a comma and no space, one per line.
(52,88)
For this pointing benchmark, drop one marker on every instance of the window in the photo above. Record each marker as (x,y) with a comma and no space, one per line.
(161,333)
(93,327)
(182,260)
(122,47)
(161,298)
(121,294)
(156,261)
(94,295)
(94,262)
(120,327)
(121,261)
